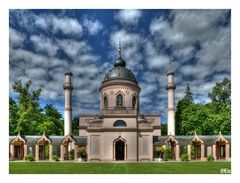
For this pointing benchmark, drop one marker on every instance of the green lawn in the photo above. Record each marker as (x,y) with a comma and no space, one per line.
(117,168)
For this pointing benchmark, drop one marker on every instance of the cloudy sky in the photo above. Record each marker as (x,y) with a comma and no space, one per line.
(42,42)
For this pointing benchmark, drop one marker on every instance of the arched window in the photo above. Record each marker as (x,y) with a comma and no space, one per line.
(120,100)
(134,102)
(105,102)
(120,123)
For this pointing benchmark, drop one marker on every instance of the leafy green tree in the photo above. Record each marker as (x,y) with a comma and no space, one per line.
(188,94)
(28,117)
(164,129)
(29,110)
(52,123)
(75,124)
(221,93)
(208,119)
(181,106)
(13,116)
(221,104)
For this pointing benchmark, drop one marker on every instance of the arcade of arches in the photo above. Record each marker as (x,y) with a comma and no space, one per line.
(197,147)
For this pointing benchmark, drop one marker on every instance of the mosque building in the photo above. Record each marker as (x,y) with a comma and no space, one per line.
(120,132)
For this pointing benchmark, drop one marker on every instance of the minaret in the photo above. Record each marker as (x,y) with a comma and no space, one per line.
(68,102)
(171,95)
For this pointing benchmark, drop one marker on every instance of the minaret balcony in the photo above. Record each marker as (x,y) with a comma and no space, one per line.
(67,86)
(171,86)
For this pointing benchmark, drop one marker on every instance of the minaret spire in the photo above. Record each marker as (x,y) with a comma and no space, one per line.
(119,48)
(69,67)
(119,62)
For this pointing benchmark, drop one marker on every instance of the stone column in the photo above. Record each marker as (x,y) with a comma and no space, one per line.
(50,152)
(62,152)
(177,152)
(37,152)
(189,151)
(227,151)
(214,151)
(75,152)
(25,150)
(11,152)
(202,152)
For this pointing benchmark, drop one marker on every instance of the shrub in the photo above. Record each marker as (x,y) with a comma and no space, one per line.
(184,157)
(29,157)
(210,158)
(71,154)
(168,153)
(159,150)
(82,152)
(55,158)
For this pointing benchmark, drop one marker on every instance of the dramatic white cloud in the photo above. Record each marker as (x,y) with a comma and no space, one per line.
(44,45)
(67,26)
(129,16)
(131,44)
(93,26)
(197,40)
(15,38)
(198,36)
(74,48)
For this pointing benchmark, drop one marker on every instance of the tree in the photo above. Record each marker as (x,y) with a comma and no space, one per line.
(164,129)
(28,117)
(206,119)
(29,111)
(26,97)
(221,104)
(188,94)
(181,106)
(13,116)
(75,125)
(52,123)
(221,95)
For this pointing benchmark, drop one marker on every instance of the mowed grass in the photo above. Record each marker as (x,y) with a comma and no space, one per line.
(117,168)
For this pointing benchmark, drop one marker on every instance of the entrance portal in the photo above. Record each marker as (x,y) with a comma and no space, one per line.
(119,150)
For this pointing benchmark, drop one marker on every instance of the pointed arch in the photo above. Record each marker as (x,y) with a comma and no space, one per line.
(134,102)
(105,102)
(119,149)
(120,99)
(196,138)
(68,139)
(171,138)
(198,148)
(18,148)
(172,142)
(17,139)
(44,139)
(221,139)
(119,138)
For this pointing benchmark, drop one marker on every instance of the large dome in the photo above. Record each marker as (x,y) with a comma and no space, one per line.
(120,72)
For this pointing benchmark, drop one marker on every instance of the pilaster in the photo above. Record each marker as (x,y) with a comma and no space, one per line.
(202,152)
(177,152)
(50,152)
(189,152)
(214,151)
(227,151)
(37,152)
(11,152)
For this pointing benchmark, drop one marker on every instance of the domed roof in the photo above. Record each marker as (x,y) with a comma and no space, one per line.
(120,71)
